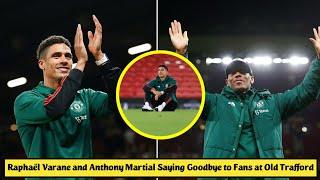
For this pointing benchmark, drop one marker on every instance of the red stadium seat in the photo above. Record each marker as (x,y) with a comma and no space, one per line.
(145,70)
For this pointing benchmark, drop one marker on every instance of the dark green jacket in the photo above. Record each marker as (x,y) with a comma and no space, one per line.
(164,85)
(224,114)
(68,136)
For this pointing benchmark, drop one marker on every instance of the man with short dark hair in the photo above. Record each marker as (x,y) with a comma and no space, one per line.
(53,119)
(42,49)
(160,93)
(242,122)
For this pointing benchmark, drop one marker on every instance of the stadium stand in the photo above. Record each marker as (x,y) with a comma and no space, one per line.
(146,69)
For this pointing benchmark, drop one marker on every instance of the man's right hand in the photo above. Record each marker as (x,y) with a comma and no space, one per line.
(156,97)
(155,92)
(179,40)
(80,49)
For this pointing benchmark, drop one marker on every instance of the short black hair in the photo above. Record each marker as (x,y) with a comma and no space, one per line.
(49,41)
(164,66)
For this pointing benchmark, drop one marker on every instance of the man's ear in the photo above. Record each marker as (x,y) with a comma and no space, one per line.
(41,64)
(252,79)
(227,83)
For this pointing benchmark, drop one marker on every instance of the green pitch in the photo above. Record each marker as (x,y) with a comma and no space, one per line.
(160,123)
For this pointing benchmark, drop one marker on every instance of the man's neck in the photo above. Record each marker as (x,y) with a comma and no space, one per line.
(163,78)
(51,83)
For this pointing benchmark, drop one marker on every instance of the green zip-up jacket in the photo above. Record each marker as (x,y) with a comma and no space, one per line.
(68,136)
(168,84)
(225,114)
(56,123)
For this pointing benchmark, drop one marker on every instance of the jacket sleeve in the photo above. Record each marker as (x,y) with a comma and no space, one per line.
(147,87)
(302,95)
(172,87)
(29,109)
(107,101)
(210,103)
(32,109)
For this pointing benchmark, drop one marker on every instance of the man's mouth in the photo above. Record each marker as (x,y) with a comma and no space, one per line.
(64,69)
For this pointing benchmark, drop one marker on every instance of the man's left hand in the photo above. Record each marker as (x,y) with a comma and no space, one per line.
(95,40)
(316,40)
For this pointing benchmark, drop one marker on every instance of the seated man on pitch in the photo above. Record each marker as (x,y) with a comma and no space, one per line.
(160,93)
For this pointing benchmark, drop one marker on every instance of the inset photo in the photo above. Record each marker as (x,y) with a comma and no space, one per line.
(160,94)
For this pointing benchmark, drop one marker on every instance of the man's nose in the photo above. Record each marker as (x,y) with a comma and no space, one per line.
(238,74)
(64,60)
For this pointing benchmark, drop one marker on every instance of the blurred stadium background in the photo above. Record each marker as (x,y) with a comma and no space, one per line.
(217,29)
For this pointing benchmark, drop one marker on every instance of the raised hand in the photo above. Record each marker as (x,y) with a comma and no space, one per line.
(80,49)
(316,40)
(95,40)
(179,40)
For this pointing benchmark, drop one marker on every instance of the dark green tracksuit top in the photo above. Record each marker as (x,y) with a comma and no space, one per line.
(226,113)
(57,123)
(169,84)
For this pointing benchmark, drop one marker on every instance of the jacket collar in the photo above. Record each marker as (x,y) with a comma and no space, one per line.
(264,93)
(42,89)
(158,79)
(229,92)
